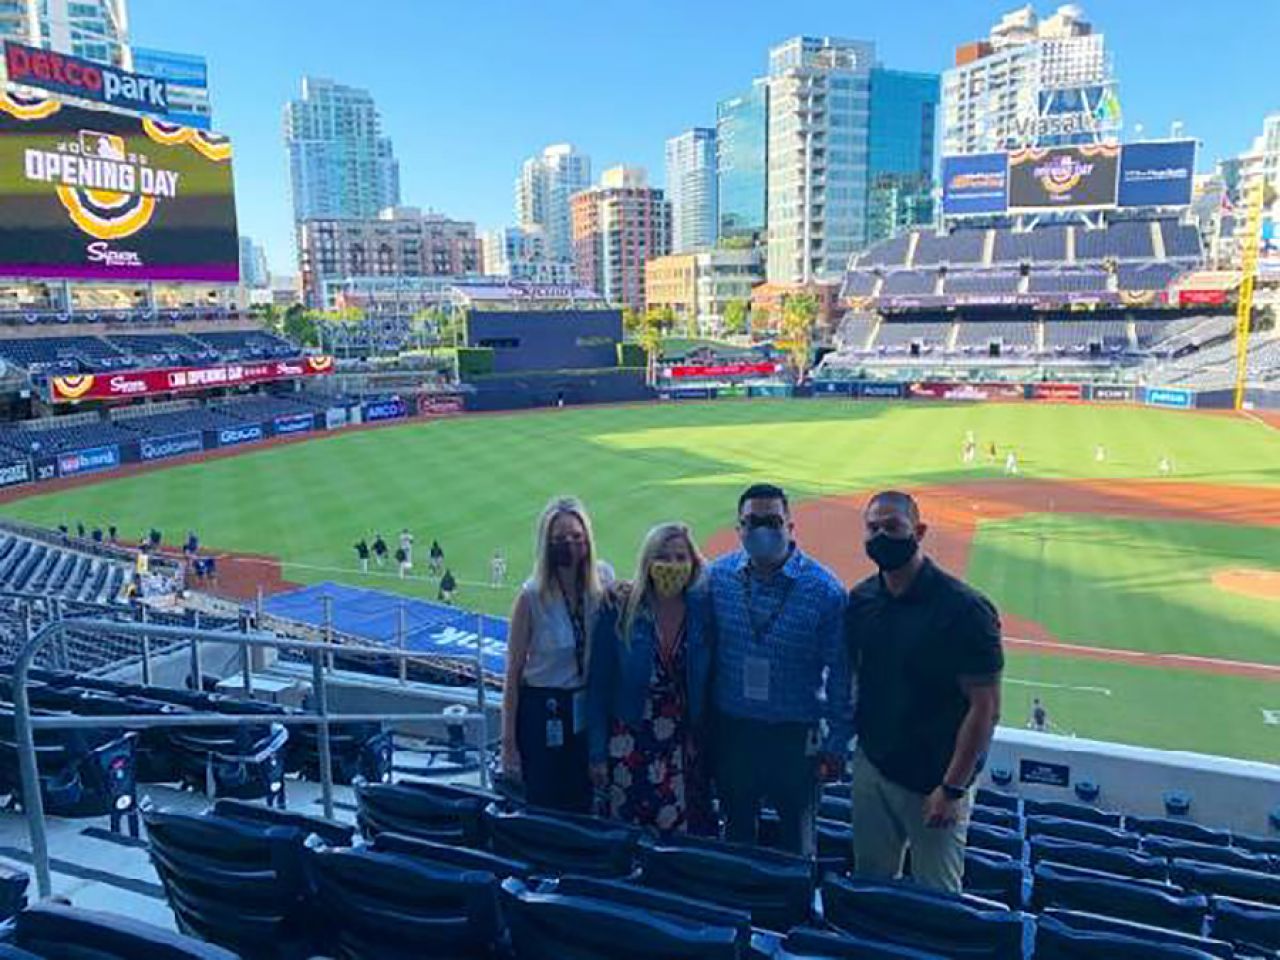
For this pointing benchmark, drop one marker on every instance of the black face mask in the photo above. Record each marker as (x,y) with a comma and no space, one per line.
(891,553)
(564,554)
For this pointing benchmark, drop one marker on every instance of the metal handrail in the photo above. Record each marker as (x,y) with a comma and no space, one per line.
(25,724)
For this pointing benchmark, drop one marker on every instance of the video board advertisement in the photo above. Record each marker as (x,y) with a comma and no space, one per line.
(1157,173)
(1063,178)
(94,195)
(975,184)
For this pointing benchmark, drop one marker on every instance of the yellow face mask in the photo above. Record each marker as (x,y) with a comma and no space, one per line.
(670,577)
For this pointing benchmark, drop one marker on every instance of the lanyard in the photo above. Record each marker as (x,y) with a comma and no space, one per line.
(577,620)
(760,631)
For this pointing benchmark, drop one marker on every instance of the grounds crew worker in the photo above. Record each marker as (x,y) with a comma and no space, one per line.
(928,659)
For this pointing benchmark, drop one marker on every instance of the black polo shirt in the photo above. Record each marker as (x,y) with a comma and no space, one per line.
(910,653)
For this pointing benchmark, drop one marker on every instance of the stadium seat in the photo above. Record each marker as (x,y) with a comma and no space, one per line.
(1081,831)
(775,887)
(333,834)
(1093,891)
(234,883)
(356,750)
(241,762)
(986,837)
(1268,845)
(959,927)
(1178,829)
(836,808)
(58,932)
(562,843)
(1057,941)
(1226,881)
(13,892)
(996,817)
(994,876)
(553,926)
(387,906)
(1071,811)
(1125,863)
(998,798)
(444,854)
(835,846)
(1169,848)
(1250,926)
(1139,931)
(656,901)
(806,943)
(429,811)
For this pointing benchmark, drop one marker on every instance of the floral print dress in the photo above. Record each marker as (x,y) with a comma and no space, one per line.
(656,775)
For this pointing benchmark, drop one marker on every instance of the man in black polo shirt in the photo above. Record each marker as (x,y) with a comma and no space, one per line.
(928,657)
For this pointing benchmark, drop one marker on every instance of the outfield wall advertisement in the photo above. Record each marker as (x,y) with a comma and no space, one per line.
(95,195)
(88,461)
(293,423)
(1168,397)
(935,390)
(14,473)
(1063,178)
(174,445)
(245,433)
(142,383)
(393,409)
(1105,393)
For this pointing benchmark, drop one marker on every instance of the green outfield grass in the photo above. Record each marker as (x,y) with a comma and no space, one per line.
(477,483)
(1132,583)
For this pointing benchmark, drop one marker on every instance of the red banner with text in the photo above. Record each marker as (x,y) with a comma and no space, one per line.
(144,383)
(1056,391)
(766,368)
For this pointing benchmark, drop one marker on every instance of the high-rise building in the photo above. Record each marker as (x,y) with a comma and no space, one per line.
(901,149)
(521,253)
(742,164)
(253,265)
(617,227)
(186,79)
(1032,81)
(399,242)
(546,184)
(819,111)
(97,30)
(340,163)
(691,189)
(698,287)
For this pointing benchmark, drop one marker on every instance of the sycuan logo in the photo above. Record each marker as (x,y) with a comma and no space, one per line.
(75,77)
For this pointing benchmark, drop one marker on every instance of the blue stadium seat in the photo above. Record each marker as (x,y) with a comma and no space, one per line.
(835,845)
(51,931)
(995,817)
(1057,941)
(1170,848)
(959,927)
(986,837)
(1268,845)
(1125,863)
(1141,901)
(1072,811)
(775,887)
(444,854)
(1139,931)
(806,943)
(429,811)
(1178,829)
(1081,832)
(553,926)
(13,892)
(661,902)
(333,834)
(562,843)
(1227,881)
(1250,926)
(836,808)
(999,799)
(995,876)
(391,906)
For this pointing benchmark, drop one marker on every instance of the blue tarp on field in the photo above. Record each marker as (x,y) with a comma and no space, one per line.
(375,617)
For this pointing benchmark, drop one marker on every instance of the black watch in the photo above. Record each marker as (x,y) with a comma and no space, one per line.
(953,793)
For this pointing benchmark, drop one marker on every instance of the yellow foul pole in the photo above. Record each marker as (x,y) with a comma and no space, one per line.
(1248,272)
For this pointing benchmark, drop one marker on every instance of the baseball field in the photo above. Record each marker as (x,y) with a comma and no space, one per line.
(1140,606)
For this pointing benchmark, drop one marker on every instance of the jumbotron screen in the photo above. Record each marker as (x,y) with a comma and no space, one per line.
(97,195)
(1063,178)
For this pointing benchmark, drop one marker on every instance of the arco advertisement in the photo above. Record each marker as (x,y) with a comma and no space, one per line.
(393,409)
(95,195)
(142,383)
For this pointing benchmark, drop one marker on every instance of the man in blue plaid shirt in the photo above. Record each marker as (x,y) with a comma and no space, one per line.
(782,684)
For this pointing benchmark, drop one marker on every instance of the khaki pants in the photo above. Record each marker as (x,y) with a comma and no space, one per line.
(888,818)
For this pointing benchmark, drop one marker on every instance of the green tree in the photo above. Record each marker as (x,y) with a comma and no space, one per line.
(300,326)
(271,318)
(735,317)
(632,323)
(799,314)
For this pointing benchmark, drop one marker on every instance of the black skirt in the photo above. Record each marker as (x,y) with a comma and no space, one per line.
(553,767)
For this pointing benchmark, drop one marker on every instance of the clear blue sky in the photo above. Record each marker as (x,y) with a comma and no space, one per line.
(467,89)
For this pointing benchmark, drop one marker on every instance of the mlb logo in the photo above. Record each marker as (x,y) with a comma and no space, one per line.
(103,146)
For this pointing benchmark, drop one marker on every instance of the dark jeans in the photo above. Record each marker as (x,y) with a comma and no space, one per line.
(757,760)
(554,776)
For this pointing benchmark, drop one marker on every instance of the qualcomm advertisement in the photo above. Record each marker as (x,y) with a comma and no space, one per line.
(231,436)
(975,184)
(293,423)
(1157,174)
(174,445)
(392,409)
(1168,397)
(88,461)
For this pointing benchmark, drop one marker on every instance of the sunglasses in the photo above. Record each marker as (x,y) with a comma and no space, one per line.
(771,520)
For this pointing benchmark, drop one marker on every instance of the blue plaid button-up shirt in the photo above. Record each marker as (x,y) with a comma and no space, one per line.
(793,621)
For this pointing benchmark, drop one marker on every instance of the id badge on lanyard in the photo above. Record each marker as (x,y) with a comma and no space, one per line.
(555,725)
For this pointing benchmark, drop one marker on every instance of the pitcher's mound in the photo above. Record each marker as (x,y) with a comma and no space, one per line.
(1247,582)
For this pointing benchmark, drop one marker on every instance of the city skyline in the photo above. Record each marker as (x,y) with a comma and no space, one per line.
(461,146)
